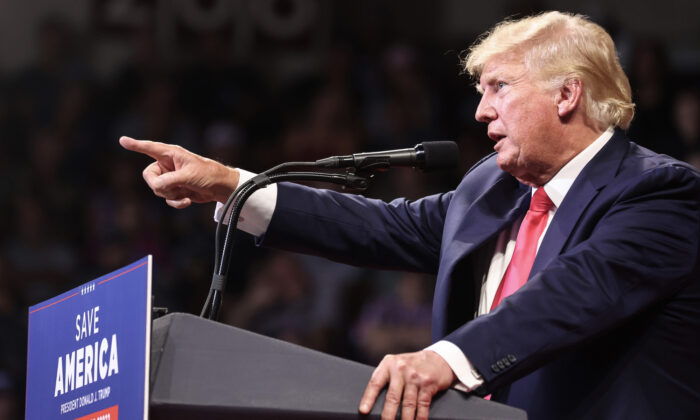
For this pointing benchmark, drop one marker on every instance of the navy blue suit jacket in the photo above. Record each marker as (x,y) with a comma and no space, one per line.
(608,324)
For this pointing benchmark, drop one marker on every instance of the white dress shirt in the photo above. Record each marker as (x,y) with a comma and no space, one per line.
(258,209)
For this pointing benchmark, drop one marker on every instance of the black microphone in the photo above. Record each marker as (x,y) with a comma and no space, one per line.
(427,156)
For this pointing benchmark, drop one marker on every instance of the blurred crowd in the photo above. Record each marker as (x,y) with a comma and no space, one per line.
(74,206)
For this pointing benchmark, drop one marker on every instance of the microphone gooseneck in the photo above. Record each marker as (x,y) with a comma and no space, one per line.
(426,156)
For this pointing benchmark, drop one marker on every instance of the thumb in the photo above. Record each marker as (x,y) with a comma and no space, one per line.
(175,179)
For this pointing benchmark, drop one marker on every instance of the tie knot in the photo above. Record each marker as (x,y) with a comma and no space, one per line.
(540,201)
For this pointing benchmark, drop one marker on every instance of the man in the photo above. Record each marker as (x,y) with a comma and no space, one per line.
(567,262)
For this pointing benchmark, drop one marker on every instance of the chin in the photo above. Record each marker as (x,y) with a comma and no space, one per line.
(517,172)
(507,165)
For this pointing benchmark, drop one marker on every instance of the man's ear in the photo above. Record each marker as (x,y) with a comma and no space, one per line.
(569,97)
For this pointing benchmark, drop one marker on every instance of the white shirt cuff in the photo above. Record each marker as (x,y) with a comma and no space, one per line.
(257,210)
(469,378)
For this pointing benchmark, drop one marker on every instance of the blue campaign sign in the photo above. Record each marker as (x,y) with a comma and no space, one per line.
(88,349)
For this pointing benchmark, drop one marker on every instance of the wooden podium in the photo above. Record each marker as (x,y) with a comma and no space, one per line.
(204,369)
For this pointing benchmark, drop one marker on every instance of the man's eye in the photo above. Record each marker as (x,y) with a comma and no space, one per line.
(501,85)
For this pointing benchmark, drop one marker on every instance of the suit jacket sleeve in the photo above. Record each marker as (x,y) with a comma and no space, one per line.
(402,234)
(641,248)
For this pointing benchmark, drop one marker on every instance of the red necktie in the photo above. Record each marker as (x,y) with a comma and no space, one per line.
(525,246)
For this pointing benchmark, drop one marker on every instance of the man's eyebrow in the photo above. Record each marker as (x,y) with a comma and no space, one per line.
(488,79)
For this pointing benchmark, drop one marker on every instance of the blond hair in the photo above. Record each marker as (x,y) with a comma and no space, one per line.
(560,47)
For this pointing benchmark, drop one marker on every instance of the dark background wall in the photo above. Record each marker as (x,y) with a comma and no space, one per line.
(253,84)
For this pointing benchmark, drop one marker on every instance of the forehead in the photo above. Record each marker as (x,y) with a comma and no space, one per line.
(508,67)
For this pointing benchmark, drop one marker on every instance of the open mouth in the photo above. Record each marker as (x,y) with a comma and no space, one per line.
(496,137)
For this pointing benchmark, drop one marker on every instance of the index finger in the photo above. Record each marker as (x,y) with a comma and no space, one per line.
(153,149)
(380,377)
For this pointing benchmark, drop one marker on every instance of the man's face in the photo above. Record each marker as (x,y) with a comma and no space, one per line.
(522,119)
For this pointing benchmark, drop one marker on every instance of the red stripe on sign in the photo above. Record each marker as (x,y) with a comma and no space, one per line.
(51,304)
(123,272)
(103,281)
(111,413)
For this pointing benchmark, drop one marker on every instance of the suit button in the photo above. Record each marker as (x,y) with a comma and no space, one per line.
(506,362)
(500,364)
(512,358)
(495,368)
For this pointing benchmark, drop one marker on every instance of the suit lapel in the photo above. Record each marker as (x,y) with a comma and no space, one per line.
(594,176)
(487,215)
(562,225)
(471,221)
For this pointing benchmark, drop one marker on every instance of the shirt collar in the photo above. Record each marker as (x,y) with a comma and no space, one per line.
(559,185)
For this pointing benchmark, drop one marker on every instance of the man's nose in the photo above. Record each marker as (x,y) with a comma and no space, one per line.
(485,112)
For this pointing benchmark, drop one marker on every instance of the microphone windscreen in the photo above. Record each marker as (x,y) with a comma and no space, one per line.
(440,155)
